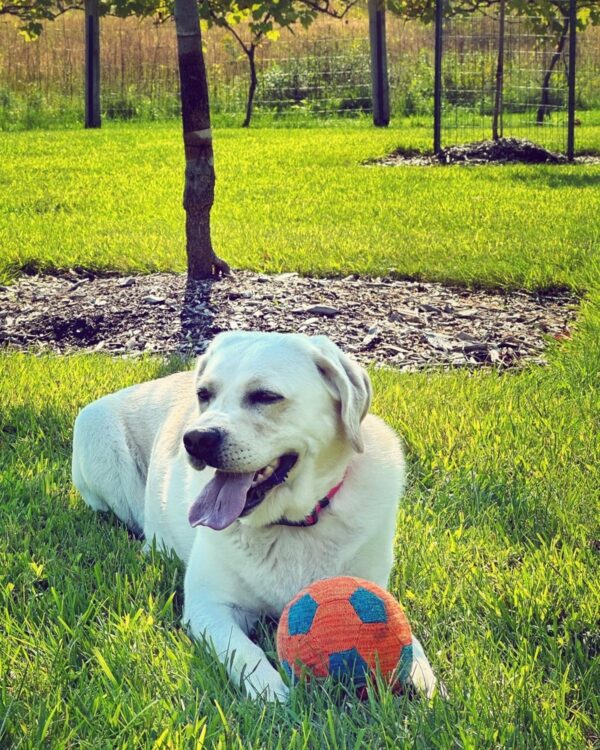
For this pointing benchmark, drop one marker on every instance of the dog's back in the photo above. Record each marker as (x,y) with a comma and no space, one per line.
(113,439)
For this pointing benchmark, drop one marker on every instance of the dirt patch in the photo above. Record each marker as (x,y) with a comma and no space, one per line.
(503,151)
(405,324)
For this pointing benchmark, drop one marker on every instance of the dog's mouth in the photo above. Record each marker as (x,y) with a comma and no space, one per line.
(230,495)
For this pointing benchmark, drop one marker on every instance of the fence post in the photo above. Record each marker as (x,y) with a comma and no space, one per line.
(572,78)
(497,120)
(92,64)
(437,85)
(379,71)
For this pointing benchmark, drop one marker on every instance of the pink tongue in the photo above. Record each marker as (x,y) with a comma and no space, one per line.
(221,501)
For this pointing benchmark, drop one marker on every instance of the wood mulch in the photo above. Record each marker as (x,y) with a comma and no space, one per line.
(502,151)
(409,325)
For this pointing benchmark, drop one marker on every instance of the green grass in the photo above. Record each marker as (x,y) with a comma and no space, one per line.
(498,561)
(496,565)
(111,199)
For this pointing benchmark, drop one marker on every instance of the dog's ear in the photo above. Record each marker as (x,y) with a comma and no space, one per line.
(348,383)
(200,365)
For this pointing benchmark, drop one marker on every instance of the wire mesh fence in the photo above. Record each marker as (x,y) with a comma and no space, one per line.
(319,73)
(321,76)
(533,96)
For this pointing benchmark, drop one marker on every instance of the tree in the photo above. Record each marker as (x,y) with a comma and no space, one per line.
(33,13)
(251,22)
(199,190)
(551,17)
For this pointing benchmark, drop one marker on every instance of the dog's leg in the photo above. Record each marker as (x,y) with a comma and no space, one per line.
(222,626)
(104,470)
(421,675)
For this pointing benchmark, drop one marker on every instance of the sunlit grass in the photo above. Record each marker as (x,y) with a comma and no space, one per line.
(295,199)
(496,566)
(497,537)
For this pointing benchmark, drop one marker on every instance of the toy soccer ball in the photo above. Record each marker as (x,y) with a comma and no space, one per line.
(348,628)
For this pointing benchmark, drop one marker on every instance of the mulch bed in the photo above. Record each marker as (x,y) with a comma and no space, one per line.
(502,151)
(405,324)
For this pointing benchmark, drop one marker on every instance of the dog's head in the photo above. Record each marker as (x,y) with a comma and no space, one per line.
(279,416)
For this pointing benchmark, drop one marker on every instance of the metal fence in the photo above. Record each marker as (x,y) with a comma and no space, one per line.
(322,72)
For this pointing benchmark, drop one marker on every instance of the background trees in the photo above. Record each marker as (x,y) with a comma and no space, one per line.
(33,13)
(251,22)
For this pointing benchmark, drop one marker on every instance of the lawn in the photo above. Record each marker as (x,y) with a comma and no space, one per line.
(498,535)
(111,199)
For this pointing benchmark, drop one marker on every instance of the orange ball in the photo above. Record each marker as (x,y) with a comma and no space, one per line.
(348,628)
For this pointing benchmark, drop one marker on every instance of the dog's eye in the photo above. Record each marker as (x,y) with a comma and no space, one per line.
(264,397)
(204,395)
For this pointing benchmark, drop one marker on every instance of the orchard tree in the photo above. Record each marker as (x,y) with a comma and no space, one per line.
(198,197)
(199,190)
(252,22)
(551,18)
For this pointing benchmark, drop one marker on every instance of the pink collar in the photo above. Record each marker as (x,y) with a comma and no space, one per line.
(313,517)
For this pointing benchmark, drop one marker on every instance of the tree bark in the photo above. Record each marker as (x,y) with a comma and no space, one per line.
(199,191)
(253,82)
(542,112)
(497,118)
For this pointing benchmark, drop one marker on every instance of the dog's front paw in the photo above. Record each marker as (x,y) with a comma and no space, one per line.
(422,678)
(267,687)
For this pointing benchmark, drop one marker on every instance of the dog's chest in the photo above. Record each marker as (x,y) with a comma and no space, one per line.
(276,565)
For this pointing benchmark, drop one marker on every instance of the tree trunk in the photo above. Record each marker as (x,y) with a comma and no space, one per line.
(497,119)
(199,191)
(252,88)
(542,112)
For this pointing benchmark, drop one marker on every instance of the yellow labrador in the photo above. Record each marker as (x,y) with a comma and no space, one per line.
(263,471)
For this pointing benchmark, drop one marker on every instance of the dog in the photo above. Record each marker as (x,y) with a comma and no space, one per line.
(263,471)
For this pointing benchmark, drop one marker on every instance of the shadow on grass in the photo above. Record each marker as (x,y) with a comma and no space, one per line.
(197,316)
(559,179)
(505,504)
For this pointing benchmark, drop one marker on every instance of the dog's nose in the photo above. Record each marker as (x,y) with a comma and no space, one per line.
(203,444)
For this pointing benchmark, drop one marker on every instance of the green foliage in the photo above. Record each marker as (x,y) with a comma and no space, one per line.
(544,16)
(262,20)
(548,15)
(412,86)
(33,13)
